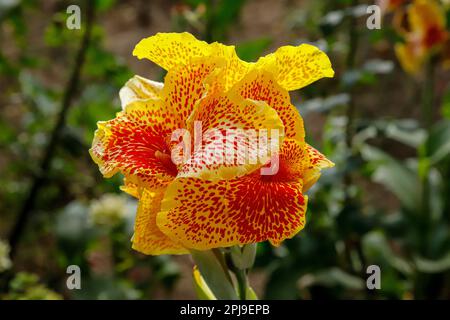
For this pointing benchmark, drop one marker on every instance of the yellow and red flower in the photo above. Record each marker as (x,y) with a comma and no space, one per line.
(424,35)
(199,203)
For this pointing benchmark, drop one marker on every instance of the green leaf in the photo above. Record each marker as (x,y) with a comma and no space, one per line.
(433,266)
(376,246)
(446,103)
(201,288)
(214,274)
(252,50)
(438,143)
(395,176)
(220,16)
(335,276)
(333,18)
(378,66)
(324,104)
(103,5)
(6,5)
(250,294)
(405,131)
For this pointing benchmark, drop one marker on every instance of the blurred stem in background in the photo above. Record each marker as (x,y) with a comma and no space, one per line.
(49,152)
(349,199)
(428,94)
(422,280)
(350,65)
(428,101)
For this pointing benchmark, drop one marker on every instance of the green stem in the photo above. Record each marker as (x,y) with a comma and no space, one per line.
(427,119)
(241,260)
(215,275)
(216,266)
(428,95)
(350,111)
(350,204)
(242,281)
(220,257)
(422,280)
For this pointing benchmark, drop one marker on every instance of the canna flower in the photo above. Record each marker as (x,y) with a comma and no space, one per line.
(425,34)
(194,201)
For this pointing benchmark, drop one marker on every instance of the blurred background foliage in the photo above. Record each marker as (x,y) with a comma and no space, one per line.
(385,203)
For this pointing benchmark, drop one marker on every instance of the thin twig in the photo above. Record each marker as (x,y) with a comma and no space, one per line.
(69,94)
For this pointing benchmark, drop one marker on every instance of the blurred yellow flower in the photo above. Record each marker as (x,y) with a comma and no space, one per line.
(200,203)
(109,210)
(424,35)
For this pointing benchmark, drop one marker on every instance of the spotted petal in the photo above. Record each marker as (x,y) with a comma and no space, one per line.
(185,84)
(135,143)
(234,68)
(139,88)
(233,132)
(261,85)
(133,189)
(316,162)
(297,67)
(148,239)
(206,214)
(171,49)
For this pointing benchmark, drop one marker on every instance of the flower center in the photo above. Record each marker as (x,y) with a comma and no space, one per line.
(282,173)
(166,161)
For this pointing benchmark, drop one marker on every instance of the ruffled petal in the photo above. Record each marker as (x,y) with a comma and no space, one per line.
(316,162)
(171,49)
(204,214)
(260,85)
(135,144)
(139,88)
(233,132)
(297,67)
(133,189)
(234,68)
(147,238)
(317,159)
(293,161)
(185,84)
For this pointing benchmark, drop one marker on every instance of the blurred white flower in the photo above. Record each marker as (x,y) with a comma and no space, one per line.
(109,210)
(5,261)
